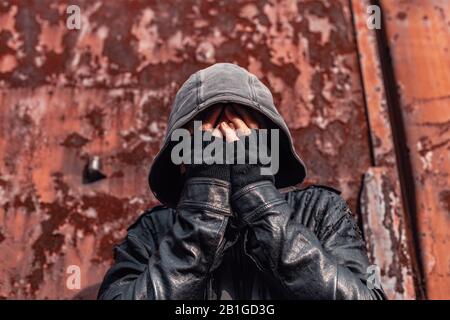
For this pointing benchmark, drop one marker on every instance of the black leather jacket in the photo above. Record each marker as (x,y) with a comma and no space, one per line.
(301,244)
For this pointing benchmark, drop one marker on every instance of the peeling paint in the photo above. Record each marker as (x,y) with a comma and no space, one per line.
(106,90)
(422,74)
(384,231)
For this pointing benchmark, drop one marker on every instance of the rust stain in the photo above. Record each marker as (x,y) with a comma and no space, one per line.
(386,220)
(105,90)
(385,233)
(444,197)
(49,219)
(74,140)
(424,88)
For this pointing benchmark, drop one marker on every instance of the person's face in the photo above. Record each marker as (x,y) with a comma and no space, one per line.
(229,120)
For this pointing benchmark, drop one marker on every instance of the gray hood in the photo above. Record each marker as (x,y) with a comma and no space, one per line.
(220,83)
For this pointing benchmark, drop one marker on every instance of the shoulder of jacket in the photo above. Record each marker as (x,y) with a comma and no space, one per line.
(324,187)
(324,202)
(317,196)
(160,210)
(313,187)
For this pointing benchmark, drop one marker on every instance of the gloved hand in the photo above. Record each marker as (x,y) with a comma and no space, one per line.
(213,136)
(215,170)
(239,131)
(243,174)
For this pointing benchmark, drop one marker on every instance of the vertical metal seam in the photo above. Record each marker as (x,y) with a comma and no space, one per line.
(405,174)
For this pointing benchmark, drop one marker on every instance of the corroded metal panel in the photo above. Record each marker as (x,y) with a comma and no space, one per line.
(386,224)
(67,96)
(385,233)
(374,88)
(51,218)
(419,40)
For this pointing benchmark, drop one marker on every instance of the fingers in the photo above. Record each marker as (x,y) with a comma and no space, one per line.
(248,119)
(216,132)
(236,123)
(211,119)
(228,132)
(233,122)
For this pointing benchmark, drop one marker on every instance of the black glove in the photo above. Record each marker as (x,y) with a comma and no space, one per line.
(215,171)
(245,174)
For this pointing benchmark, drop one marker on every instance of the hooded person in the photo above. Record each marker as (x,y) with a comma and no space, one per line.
(227,231)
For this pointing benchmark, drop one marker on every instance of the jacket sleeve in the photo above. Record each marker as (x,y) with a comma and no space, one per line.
(176,267)
(328,262)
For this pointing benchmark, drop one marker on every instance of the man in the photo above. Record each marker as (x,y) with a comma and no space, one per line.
(228,231)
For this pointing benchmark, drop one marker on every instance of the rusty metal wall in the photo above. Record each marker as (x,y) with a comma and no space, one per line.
(384,209)
(105,91)
(418,35)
